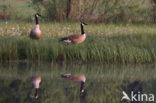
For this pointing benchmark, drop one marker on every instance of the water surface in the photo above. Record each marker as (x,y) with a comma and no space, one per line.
(104,83)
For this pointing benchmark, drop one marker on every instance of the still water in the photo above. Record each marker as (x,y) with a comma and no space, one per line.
(104,83)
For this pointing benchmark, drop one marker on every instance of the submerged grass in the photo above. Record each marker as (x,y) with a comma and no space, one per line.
(104,43)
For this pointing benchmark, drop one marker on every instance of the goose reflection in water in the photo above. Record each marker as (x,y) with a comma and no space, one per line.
(35,80)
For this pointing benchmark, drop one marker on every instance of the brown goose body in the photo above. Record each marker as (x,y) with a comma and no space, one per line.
(36,32)
(76,78)
(76,38)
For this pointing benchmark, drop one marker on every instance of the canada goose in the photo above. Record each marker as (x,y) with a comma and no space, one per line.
(76,78)
(36,32)
(36,83)
(76,38)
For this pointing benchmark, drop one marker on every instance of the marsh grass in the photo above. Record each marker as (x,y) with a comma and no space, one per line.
(105,43)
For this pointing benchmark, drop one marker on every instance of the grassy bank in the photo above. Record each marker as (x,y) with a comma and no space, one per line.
(104,43)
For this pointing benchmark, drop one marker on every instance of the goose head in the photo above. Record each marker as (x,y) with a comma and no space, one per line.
(83,92)
(83,24)
(37,15)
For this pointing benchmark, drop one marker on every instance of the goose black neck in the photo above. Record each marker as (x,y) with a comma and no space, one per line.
(82,86)
(36,92)
(82,30)
(36,18)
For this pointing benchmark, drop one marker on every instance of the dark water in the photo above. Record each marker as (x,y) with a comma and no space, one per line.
(104,83)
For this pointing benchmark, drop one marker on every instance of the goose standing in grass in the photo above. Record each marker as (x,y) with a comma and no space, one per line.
(36,32)
(76,78)
(76,38)
(36,83)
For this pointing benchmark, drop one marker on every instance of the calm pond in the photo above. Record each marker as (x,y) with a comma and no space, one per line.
(104,83)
